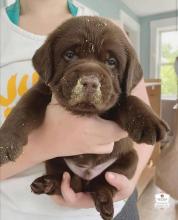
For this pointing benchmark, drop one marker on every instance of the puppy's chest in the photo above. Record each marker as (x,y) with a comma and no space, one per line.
(89,171)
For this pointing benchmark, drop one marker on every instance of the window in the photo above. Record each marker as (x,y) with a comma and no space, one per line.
(163,51)
(168,43)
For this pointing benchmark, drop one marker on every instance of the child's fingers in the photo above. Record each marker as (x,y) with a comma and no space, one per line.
(67,192)
(121,183)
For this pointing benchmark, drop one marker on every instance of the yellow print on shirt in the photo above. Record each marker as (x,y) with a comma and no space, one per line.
(13,90)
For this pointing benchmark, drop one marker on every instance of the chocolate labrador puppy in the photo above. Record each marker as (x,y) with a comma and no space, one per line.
(91,68)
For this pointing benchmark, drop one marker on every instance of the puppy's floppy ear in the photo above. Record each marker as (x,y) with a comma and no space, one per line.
(43,61)
(133,72)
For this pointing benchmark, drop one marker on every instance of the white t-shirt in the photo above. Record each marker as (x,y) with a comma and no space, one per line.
(16,76)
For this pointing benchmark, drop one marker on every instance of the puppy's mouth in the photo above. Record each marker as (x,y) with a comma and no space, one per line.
(85,107)
(86,94)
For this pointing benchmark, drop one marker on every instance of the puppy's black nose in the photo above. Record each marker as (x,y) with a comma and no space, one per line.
(90,82)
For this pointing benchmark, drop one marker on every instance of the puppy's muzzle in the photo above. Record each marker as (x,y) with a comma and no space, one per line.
(87,89)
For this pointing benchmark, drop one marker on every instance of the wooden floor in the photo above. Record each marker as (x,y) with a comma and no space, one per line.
(147,210)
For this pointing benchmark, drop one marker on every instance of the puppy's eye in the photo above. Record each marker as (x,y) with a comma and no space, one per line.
(111,62)
(70,55)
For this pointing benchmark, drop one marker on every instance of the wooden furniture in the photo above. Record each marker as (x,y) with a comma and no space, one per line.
(153,87)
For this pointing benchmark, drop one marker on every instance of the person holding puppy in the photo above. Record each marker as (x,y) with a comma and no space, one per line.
(25,25)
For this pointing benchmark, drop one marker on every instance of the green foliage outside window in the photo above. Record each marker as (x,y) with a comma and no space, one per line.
(167,71)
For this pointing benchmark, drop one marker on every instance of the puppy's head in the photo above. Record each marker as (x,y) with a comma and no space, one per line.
(88,63)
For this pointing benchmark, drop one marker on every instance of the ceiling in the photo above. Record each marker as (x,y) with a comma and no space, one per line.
(149,7)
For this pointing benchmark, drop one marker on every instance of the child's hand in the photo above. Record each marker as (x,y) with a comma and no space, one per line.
(124,185)
(66,134)
(69,198)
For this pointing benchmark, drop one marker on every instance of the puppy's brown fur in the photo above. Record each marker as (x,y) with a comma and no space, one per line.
(91,68)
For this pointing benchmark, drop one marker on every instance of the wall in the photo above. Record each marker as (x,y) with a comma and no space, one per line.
(145,38)
(2,3)
(109,8)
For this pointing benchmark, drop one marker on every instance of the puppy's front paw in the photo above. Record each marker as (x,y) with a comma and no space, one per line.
(139,120)
(104,204)
(11,146)
(45,185)
(148,129)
